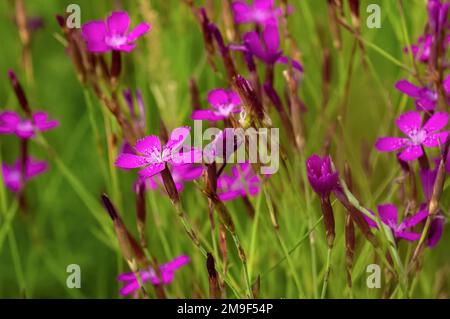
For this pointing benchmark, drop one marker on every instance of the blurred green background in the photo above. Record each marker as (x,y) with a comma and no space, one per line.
(66,224)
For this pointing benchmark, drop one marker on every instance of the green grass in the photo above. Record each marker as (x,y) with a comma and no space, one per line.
(66,223)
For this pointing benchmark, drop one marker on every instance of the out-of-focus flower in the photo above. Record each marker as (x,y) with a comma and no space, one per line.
(12,123)
(12,174)
(180,174)
(266,47)
(224,103)
(167,272)
(422,49)
(389,216)
(437,15)
(242,182)
(225,143)
(410,123)
(435,231)
(428,177)
(425,98)
(101,36)
(139,116)
(154,157)
(321,175)
(262,12)
(437,20)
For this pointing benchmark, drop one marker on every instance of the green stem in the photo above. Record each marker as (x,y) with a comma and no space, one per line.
(327,273)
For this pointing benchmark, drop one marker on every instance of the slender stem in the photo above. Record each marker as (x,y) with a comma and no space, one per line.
(243,259)
(327,273)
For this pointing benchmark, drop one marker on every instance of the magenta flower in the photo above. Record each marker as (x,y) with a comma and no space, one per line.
(154,157)
(437,15)
(410,123)
(12,175)
(180,174)
(266,47)
(224,103)
(101,36)
(425,98)
(321,175)
(261,12)
(242,182)
(422,49)
(11,123)
(389,216)
(167,275)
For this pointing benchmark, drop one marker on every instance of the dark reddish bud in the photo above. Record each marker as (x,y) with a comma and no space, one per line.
(141,212)
(354,9)
(207,37)
(116,66)
(214,287)
(195,96)
(357,216)
(248,97)
(224,52)
(328,218)
(349,247)
(276,101)
(170,186)
(20,94)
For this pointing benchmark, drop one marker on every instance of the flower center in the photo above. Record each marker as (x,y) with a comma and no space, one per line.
(417,136)
(14,176)
(25,126)
(261,15)
(225,109)
(116,40)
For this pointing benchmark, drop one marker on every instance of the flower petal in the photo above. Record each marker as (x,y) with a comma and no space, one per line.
(128,161)
(118,23)
(447,85)
(263,4)
(436,122)
(413,220)
(141,29)
(253,43)
(218,97)
(206,115)
(409,122)
(229,195)
(242,12)
(40,120)
(389,144)
(34,168)
(149,145)
(178,262)
(436,230)
(126,47)
(152,169)
(177,138)
(94,31)
(436,139)
(425,104)
(407,235)
(295,64)
(8,122)
(271,38)
(408,88)
(411,153)
(98,47)
(388,214)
